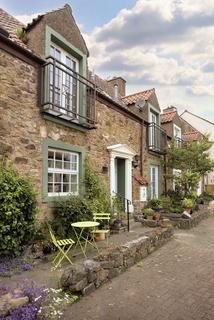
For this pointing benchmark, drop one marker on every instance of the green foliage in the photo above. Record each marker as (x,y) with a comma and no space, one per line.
(155,204)
(177,210)
(186,183)
(166,202)
(193,160)
(95,190)
(69,210)
(17,211)
(79,208)
(148,212)
(22,34)
(187,203)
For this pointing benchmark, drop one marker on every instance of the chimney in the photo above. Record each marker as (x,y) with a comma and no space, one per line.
(170,109)
(119,86)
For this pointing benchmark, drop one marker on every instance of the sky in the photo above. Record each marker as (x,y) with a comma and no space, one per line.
(167,45)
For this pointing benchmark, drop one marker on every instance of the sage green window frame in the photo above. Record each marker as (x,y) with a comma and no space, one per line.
(52,36)
(59,145)
(160,187)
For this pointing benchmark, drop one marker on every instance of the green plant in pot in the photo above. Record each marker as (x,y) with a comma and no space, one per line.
(188,204)
(149,213)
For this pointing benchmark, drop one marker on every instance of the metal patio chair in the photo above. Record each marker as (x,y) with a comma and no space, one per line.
(102,217)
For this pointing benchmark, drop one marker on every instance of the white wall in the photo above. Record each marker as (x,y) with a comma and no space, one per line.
(204,127)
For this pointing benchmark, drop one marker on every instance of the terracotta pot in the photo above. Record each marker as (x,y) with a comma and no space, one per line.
(99,236)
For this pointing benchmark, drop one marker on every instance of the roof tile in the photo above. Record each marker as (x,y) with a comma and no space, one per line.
(191,136)
(135,97)
(168,116)
(10,24)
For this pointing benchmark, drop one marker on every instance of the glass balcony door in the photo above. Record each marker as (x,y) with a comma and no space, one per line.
(64,90)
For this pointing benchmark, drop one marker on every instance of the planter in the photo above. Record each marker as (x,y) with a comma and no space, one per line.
(99,236)
(149,217)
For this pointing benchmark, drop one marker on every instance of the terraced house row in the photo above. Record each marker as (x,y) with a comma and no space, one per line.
(54,113)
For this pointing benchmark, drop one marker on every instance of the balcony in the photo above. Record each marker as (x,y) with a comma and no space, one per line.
(67,95)
(157,139)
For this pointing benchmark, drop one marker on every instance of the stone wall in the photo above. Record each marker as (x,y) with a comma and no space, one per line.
(23,129)
(90,274)
(181,223)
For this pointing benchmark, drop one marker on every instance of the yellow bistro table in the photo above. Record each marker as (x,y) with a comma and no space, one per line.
(81,239)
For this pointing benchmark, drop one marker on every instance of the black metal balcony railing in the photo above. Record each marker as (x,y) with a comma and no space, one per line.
(68,95)
(157,138)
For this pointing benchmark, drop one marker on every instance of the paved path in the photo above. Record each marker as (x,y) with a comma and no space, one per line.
(175,283)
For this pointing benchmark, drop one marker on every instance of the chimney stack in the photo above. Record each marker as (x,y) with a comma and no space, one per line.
(119,86)
(170,109)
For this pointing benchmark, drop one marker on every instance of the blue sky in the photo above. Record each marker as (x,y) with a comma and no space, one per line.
(166,44)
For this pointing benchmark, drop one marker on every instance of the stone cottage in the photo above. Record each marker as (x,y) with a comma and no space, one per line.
(54,112)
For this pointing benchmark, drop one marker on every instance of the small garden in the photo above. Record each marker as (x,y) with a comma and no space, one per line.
(193,161)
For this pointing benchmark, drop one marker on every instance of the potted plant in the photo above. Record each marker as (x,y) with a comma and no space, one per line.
(155,204)
(148,213)
(187,204)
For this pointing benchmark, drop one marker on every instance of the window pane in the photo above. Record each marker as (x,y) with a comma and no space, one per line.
(58,177)
(65,187)
(58,164)
(50,187)
(57,187)
(50,154)
(58,156)
(50,163)
(74,188)
(66,178)
(67,156)
(73,178)
(50,177)
(66,165)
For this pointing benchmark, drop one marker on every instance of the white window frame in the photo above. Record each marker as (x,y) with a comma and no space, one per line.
(176,129)
(54,170)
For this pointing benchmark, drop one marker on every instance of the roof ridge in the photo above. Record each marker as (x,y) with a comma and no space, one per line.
(197,116)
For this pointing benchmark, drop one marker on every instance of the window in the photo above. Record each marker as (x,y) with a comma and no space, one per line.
(176,173)
(154,173)
(63,172)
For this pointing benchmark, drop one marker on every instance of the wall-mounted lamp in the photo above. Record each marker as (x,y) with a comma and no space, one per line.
(105,169)
(136,160)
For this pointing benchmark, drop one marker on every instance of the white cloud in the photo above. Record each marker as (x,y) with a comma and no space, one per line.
(165,44)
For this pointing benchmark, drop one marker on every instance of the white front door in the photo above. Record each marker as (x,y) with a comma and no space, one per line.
(154,181)
(66,84)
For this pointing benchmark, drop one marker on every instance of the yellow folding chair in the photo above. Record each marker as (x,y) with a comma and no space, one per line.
(61,246)
(105,218)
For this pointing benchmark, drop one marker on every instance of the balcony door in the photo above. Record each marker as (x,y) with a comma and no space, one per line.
(154,136)
(154,174)
(63,82)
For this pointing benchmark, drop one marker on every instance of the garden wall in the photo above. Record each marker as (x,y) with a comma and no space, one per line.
(182,223)
(90,274)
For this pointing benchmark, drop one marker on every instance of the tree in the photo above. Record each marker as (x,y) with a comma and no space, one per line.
(193,159)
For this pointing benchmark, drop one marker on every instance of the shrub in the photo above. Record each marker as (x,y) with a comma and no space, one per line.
(166,202)
(148,212)
(69,210)
(17,211)
(79,208)
(177,210)
(155,204)
(187,203)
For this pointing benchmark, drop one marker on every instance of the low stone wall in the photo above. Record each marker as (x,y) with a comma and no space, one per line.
(183,223)
(86,277)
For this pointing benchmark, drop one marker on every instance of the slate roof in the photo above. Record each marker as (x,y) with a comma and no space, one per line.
(135,97)
(191,136)
(167,116)
(10,24)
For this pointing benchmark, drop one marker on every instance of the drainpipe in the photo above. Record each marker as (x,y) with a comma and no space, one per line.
(141,149)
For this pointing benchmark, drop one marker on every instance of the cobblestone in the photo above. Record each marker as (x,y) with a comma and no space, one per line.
(174,283)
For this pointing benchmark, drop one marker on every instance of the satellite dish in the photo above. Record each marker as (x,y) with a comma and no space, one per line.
(140,104)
